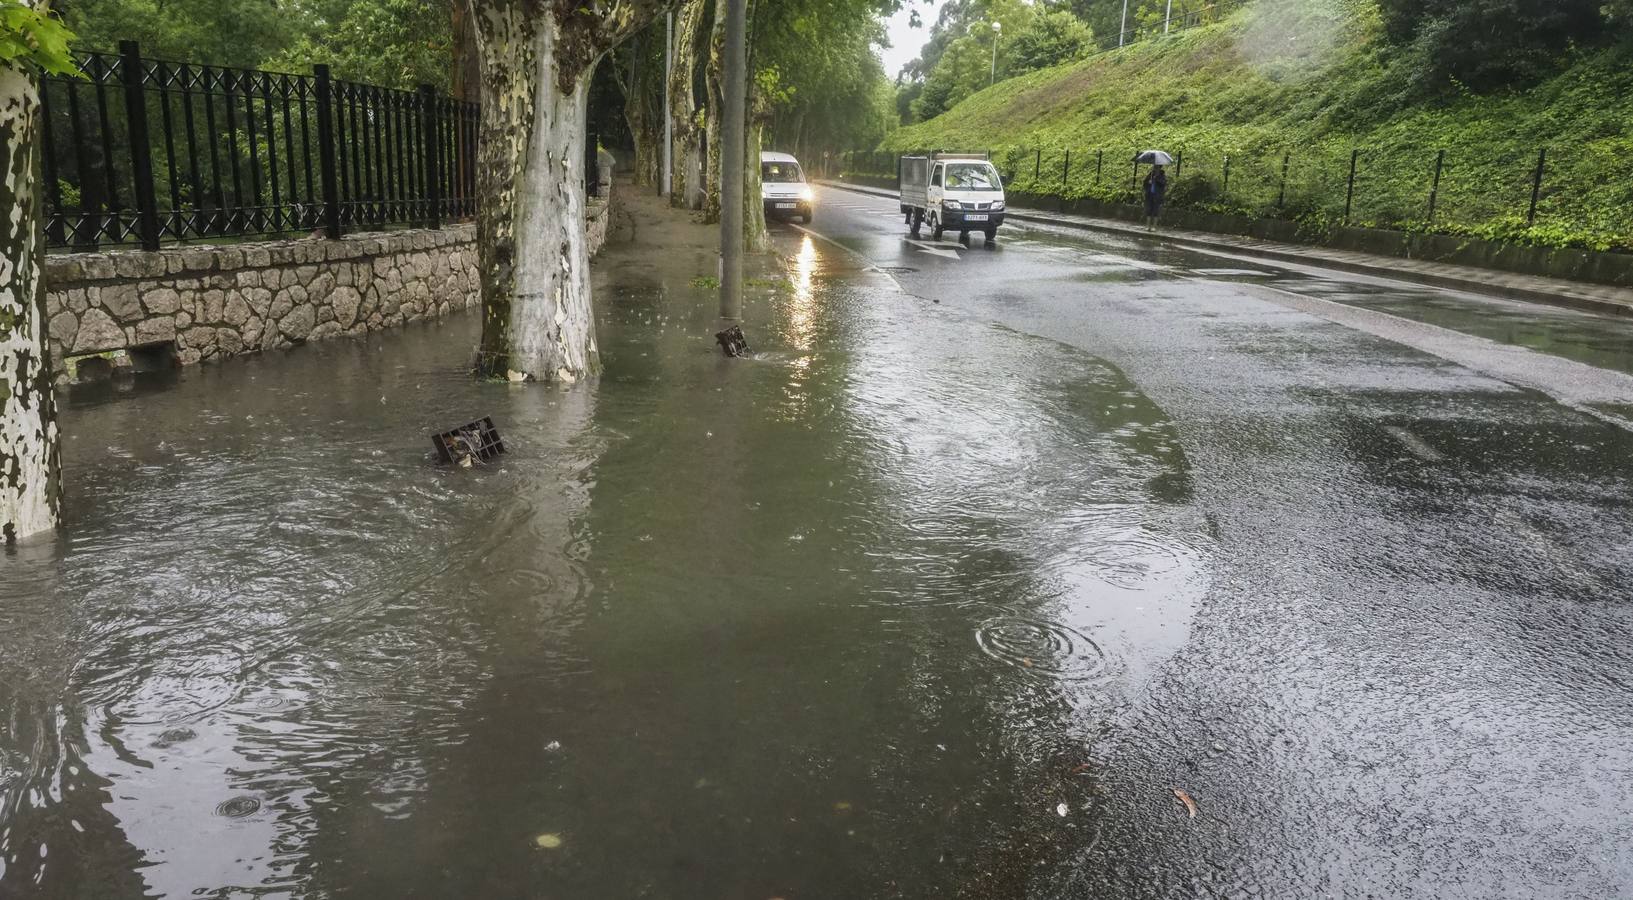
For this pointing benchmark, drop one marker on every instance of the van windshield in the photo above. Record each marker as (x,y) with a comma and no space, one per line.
(781,173)
(973,177)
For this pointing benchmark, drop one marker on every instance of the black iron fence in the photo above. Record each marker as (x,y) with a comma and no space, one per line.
(141,152)
(1525,196)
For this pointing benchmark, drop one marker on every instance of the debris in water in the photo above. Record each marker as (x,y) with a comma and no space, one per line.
(1190,805)
(1061,810)
(732,341)
(842,807)
(552,747)
(468,444)
(548,841)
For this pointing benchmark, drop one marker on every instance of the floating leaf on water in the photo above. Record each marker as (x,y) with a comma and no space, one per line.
(1190,805)
(548,841)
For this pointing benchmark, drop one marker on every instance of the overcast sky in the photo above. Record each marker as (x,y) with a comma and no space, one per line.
(906,42)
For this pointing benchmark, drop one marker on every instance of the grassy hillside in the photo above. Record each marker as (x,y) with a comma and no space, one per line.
(1307,82)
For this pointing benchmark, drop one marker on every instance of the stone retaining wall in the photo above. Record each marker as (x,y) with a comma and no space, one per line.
(213,302)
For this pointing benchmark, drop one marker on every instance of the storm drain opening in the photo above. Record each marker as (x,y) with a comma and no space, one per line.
(160,357)
(469,444)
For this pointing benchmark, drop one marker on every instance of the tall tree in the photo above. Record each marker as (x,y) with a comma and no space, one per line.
(686,104)
(30,448)
(537,59)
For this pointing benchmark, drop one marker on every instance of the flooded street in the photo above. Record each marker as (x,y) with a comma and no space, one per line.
(857,617)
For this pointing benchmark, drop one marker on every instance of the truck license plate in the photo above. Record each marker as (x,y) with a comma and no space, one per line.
(785,206)
(976,218)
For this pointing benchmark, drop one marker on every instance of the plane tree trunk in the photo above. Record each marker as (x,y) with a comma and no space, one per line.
(714,84)
(537,57)
(683,107)
(30,450)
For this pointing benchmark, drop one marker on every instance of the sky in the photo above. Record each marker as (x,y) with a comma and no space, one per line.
(906,42)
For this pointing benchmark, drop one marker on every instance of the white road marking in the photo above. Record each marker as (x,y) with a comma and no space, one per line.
(1415,444)
(935,250)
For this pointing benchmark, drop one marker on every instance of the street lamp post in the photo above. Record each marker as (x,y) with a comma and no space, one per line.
(997,28)
(1122,36)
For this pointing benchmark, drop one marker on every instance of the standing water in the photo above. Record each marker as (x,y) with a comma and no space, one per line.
(855,617)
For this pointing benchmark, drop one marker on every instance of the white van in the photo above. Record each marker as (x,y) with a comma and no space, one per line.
(960,192)
(783,188)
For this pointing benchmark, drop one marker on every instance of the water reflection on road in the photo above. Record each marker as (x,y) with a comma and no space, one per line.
(845,619)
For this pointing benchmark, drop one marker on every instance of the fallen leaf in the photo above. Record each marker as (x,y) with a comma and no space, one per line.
(1190,805)
(1062,809)
(842,806)
(548,841)
(1026,662)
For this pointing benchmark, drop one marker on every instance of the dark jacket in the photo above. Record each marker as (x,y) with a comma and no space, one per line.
(1156,184)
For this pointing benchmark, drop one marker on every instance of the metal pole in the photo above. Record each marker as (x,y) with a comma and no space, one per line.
(732,149)
(326,152)
(1168,17)
(1037,167)
(994,79)
(141,152)
(668,118)
(1536,188)
(1434,192)
(1349,193)
(1225,191)
(1281,198)
(1122,35)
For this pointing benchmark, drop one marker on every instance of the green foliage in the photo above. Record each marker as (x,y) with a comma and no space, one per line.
(31,37)
(1052,39)
(1489,43)
(821,86)
(394,43)
(221,32)
(958,59)
(1310,81)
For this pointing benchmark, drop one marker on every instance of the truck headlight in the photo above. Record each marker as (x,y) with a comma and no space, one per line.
(807,194)
(951,204)
(997,204)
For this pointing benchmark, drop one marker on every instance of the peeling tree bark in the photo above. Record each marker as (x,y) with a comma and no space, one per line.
(536,58)
(683,107)
(30,451)
(715,86)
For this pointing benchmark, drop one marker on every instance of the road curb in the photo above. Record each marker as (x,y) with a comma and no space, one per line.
(1380,270)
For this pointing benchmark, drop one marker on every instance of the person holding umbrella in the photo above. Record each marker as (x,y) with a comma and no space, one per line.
(1156,184)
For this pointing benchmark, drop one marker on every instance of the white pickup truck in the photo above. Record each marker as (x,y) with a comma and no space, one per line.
(959,192)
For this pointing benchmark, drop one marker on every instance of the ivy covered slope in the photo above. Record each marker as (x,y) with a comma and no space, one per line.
(1306,82)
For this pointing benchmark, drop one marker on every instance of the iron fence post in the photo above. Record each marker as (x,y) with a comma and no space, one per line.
(141,153)
(1179,163)
(326,152)
(433,167)
(1434,190)
(1037,167)
(1536,188)
(1281,196)
(1225,191)
(1349,193)
(1099,165)
(1065,174)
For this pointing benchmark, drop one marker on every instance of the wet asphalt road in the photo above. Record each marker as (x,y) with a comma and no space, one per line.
(1410,674)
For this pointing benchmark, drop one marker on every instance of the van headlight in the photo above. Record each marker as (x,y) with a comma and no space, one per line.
(807,194)
(997,204)
(952,204)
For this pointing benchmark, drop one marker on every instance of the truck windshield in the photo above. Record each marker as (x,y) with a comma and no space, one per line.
(780,173)
(972,178)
